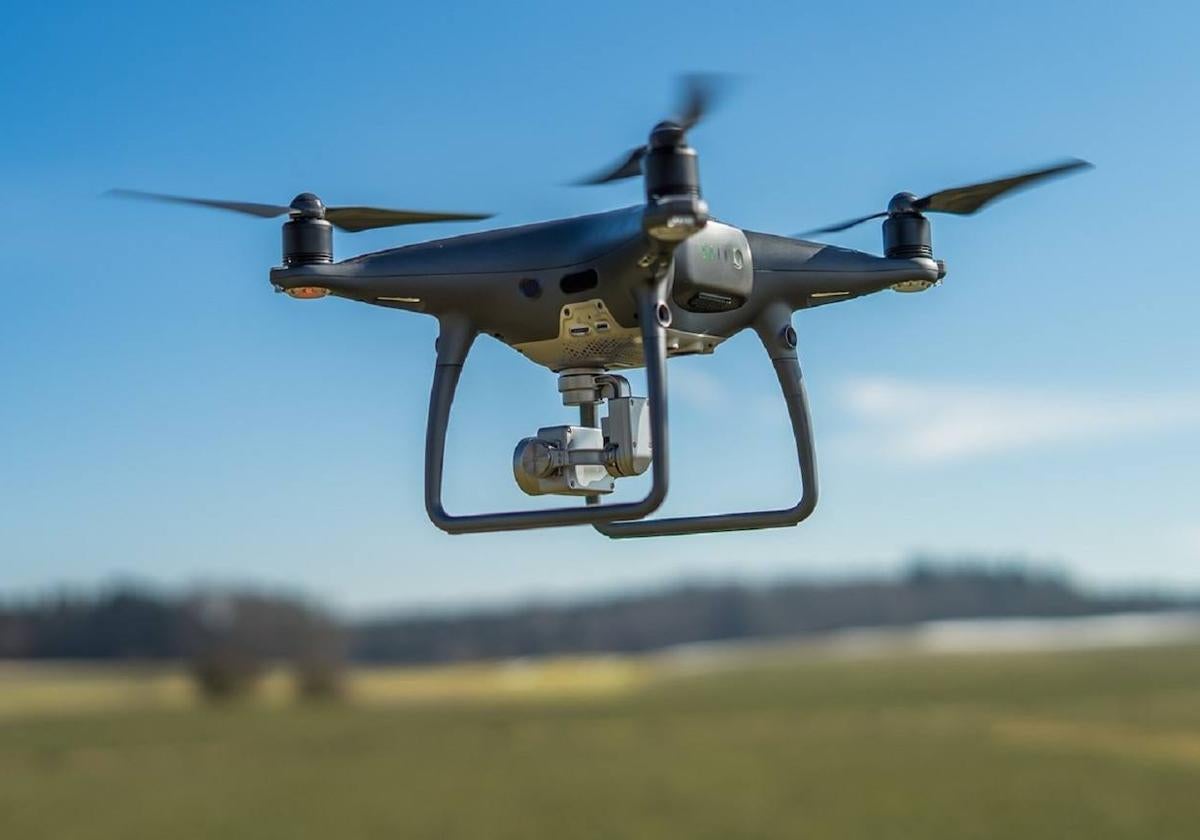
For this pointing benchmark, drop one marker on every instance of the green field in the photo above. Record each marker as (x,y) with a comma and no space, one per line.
(1085,744)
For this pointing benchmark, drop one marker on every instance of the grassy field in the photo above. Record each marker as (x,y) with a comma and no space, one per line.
(1085,744)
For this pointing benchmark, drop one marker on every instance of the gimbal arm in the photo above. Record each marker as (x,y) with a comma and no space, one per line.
(454,342)
(774,328)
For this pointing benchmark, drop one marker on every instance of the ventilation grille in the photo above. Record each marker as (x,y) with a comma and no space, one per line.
(610,351)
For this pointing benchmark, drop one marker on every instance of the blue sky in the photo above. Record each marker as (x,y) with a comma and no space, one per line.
(165,416)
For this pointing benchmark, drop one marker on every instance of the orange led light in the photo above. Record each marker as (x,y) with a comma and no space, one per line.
(308,292)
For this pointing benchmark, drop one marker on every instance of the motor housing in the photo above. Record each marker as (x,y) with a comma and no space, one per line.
(307,241)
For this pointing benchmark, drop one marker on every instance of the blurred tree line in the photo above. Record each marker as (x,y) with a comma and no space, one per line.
(230,637)
(928,591)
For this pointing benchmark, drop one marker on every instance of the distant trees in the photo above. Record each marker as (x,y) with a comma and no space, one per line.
(227,639)
(124,624)
(928,590)
(230,638)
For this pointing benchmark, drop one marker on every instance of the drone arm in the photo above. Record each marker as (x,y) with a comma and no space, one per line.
(775,330)
(454,342)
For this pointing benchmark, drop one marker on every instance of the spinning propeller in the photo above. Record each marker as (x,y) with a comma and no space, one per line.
(308,206)
(961,201)
(698,94)
(308,233)
(674,207)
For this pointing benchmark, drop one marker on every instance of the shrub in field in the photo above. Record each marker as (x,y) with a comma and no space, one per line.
(231,638)
(319,679)
(224,673)
(318,657)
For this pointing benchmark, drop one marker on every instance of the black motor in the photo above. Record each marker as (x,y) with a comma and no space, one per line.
(307,236)
(906,233)
(674,208)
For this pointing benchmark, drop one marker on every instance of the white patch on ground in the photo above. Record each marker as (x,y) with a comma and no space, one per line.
(973,636)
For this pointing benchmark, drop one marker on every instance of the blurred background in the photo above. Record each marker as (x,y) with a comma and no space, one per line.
(222,608)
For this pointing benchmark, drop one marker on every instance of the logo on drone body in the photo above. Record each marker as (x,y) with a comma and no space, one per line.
(717,253)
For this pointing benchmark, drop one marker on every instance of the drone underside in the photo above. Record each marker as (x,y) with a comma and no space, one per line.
(590,296)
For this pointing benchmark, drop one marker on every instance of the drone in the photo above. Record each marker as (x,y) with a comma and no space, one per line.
(591,296)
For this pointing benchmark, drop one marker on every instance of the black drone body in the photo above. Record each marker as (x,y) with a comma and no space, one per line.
(590,296)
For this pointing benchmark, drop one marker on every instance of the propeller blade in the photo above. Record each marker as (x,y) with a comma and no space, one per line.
(263,211)
(350,219)
(963,201)
(842,225)
(627,167)
(700,93)
(355,219)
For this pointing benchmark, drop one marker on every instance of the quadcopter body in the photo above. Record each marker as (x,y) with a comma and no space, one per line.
(591,296)
(561,292)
